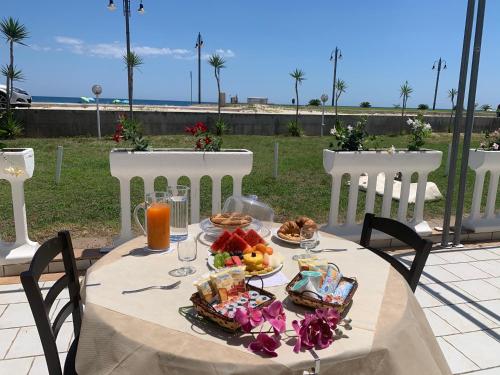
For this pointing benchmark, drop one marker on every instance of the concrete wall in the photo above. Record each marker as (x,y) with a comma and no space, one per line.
(67,123)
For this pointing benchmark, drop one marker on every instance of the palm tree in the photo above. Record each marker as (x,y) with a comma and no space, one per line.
(452,94)
(341,87)
(404,92)
(485,107)
(218,63)
(298,75)
(132,61)
(13,32)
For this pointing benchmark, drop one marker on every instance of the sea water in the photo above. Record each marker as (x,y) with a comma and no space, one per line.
(178,218)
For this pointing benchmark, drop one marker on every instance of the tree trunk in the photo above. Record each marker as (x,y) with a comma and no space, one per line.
(10,71)
(297,103)
(130,89)
(451,116)
(218,94)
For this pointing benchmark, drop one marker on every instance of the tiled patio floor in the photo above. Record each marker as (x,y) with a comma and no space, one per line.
(459,291)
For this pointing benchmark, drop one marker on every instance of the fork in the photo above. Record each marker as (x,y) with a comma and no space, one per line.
(161,287)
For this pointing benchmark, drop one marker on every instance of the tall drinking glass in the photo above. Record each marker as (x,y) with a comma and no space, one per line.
(179,210)
(309,239)
(157,220)
(186,252)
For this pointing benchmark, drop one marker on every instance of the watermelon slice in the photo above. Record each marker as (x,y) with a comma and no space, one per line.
(253,238)
(236,245)
(240,232)
(236,260)
(229,262)
(219,243)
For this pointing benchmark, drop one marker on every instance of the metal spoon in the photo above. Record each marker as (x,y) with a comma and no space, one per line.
(162,287)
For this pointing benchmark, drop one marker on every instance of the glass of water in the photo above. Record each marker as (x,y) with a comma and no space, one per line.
(179,212)
(309,239)
(186,252)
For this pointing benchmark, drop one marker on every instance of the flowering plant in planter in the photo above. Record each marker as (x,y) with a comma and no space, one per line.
(419,131)
(348,138)
(316,330)
(130,130)
(205,141)
(491,141)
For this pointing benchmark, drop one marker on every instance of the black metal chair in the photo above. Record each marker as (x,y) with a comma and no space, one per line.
(40,307)
(403,233)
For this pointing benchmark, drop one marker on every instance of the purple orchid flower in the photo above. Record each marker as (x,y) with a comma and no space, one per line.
(265,344)
(249,318)
(316,330)
(275,315)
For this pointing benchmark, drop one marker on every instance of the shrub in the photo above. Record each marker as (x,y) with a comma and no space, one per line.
(485,107)
(221,127)
(419,130)
(491,141)
(294,129)
(348,138)
(315,102)
(10,127)
(130,130)
(205,141)
(396,106)
(365,105)
(423,107)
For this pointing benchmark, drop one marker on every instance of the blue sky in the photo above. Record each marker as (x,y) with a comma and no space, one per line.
(75,44)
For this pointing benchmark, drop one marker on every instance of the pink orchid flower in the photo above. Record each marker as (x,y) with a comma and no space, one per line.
(249,318)
(265,344)
(316,330)
(276,317)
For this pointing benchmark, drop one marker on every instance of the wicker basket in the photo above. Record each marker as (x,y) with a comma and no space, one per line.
(206,310)
(313,300)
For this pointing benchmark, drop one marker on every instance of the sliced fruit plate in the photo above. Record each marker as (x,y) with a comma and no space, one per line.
(246,248)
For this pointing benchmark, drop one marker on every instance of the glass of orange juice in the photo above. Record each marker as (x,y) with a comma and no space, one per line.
(157,220)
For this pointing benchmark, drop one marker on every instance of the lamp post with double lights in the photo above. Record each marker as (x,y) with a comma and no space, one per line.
(127,14)
(439,65)
(335,56)
(199,44)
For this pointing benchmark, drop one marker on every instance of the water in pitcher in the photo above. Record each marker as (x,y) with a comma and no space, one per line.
(178,218)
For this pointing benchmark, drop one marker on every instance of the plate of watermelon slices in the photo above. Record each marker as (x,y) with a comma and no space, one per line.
(244,248)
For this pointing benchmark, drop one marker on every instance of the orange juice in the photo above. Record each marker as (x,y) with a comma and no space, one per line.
(158,223)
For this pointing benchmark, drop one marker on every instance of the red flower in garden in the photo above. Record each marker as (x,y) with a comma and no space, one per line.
(118,133)
(208,140)
(201,127)
(198,144)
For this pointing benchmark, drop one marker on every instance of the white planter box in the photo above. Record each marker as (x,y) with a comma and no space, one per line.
(354,163)
(173,164)
(481,162)
(22,160)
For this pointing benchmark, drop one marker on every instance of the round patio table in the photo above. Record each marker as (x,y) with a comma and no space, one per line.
(144,332)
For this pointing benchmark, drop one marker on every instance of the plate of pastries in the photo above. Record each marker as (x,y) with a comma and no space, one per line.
(289,231)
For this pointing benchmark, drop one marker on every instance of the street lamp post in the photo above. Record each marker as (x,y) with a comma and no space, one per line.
(199,44)
(440,65)
(127,14)
(324,99)
(335,56)
(97,90)
(191,81)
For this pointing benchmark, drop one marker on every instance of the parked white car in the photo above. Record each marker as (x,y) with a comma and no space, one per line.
(20,98)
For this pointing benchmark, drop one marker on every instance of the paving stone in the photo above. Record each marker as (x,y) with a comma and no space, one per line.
(482,254)
(465,271)
(19,366)
(457,361)
(490,266)
(39,366)
(6,338)
(494,281)
(26,344)
(425,299)
(490,309)
(480,289)
(12,294)
(2,309)
(491,371)
(438,325)
(455,257)
(464,317)
(449,293)
(17,315)
(480,347)
(436,274)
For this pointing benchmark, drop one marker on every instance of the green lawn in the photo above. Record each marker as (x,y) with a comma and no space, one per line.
(87,199)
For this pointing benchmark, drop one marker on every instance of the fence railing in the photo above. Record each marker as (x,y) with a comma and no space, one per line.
(173,164)
(16,166)
(373,163)
(482,162)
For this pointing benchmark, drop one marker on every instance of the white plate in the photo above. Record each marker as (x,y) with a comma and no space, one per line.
(215,231)
(210,263)
(275,235)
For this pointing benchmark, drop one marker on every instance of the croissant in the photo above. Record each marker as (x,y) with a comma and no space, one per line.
(290,227)
(305,222)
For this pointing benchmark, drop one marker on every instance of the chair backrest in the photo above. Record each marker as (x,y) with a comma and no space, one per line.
(40,307)
(403,233)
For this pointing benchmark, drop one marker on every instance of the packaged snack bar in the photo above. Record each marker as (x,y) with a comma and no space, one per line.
(238,275)
(331,281)
(222,282)
(205,289)
(315,277)
(342,291)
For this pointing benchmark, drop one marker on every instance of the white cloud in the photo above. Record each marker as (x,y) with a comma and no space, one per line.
(37,47)
(116,50)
